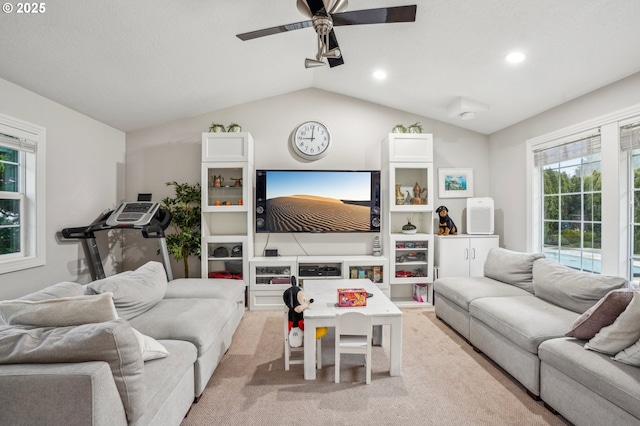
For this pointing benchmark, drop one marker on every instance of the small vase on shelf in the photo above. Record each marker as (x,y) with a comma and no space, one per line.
(409,228)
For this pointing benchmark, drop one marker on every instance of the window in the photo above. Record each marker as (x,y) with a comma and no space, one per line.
(630,143)
(21,195)
(570,194)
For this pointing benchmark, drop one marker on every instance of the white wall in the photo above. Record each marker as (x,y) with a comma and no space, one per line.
(85,176)
(507,152)
(172,152)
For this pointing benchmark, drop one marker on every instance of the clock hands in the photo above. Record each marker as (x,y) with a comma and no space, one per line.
(313,128)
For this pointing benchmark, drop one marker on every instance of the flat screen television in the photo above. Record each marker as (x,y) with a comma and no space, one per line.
(317,201)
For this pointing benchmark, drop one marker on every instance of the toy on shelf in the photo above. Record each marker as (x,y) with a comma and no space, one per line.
(447,227)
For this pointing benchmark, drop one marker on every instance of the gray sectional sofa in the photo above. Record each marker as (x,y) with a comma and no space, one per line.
(131,349)
(519,314)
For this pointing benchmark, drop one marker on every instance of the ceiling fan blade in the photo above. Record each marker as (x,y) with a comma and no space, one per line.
(333,44)
(315,6)
(274,30)
(383,15)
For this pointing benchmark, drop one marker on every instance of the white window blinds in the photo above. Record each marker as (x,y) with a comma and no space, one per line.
(582,147)
(17,143)
(630,137)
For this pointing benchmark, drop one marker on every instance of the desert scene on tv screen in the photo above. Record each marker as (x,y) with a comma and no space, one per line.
(318,201)
(310,213)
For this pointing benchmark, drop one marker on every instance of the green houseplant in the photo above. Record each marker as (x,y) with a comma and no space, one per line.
(185,220)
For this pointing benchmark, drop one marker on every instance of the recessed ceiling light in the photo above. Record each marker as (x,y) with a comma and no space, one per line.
(515,57)
(379,75)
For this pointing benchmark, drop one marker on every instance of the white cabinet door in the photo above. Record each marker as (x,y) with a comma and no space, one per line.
(453,257)
(478,250)
(463,256)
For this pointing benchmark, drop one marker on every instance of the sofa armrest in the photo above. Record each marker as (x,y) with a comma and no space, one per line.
(60,394)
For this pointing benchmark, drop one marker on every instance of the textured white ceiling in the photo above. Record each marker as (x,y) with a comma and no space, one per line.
(135,64)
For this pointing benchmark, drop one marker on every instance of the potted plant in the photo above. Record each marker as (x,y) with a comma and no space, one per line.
(185,220)
(217,128)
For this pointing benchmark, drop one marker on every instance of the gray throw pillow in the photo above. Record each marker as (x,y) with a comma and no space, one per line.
(601,314)
(56,291)
(511,267)
(113,342)
(569,288)
(134,292)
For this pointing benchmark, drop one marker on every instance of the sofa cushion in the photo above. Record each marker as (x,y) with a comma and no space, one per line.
(601,314)
(198,321)
(63,312)
(134,292)
(613,381)
(511,267)
(56,291)
(464,290)
(205,288)
(525,320)
(569,288)
(112,341)
(623,333)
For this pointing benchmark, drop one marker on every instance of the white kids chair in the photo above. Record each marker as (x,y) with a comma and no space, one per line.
(353,336)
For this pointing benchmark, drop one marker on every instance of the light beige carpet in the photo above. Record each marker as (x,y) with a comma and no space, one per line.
(444,382)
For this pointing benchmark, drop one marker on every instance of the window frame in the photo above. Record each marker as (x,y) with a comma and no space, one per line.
(32,188)
(615,224)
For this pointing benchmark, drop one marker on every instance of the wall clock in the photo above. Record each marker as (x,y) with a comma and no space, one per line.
(311,140)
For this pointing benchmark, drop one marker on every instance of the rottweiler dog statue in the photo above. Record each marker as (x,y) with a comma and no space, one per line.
(447,227)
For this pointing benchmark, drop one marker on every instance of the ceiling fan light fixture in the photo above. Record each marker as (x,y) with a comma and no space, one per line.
(313,63)
(333,53)
(468,115)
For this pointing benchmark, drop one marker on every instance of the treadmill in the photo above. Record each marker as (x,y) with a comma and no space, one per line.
(146,216)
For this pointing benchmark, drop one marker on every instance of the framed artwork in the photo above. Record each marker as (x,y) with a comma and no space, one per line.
(455,183)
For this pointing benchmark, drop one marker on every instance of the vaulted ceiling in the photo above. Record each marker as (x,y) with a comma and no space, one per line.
(135,64)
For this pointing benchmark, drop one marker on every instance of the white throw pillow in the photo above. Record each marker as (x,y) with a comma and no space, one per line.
(623,333)
(150,348)
(630,356)
(63,312)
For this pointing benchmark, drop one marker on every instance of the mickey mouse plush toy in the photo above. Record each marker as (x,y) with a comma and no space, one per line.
(447,227)
(295,301)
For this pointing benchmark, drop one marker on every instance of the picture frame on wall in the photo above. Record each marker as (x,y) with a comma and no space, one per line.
(455,183)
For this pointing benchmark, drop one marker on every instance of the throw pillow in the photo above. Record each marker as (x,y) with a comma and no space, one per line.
(601,314)
(574,290)
(134,292)
(150,348)
(63,312)
(56,291)
(624,331)
(630,356)
(113,342)
(511,267)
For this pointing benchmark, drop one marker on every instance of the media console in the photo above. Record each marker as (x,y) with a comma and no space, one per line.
(270,276)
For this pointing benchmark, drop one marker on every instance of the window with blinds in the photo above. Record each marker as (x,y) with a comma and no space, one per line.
(22,194)
(571,193)
(630,143)
(12,196)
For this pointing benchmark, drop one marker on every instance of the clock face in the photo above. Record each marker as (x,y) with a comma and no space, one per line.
(311,140)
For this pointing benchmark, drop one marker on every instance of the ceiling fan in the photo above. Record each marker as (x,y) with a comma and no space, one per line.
(324,15)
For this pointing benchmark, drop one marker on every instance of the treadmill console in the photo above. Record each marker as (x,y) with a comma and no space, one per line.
(137,213)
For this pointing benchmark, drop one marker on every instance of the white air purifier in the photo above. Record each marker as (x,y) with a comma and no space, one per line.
(480,215)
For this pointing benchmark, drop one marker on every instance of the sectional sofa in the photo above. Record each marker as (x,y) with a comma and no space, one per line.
(131,349)
(570,338)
